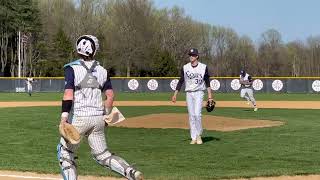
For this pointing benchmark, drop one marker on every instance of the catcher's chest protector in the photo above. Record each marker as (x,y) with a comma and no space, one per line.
(89,81)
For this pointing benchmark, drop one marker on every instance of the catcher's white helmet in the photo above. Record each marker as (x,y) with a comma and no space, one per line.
(87,45)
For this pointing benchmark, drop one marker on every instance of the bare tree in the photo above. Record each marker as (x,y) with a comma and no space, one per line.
(313,44)
(224,43)
(128,33)
(298,58)
(269,51)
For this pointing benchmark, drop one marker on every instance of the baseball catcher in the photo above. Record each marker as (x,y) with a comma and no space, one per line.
(87,100)
(210,105)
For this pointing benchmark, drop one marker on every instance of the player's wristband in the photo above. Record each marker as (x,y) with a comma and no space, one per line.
(66,105)
(64,115)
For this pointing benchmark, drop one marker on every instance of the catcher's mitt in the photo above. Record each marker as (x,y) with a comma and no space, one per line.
(210,105)
(69,133)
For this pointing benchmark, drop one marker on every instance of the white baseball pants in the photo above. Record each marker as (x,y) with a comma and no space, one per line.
(194,102)
(93,129)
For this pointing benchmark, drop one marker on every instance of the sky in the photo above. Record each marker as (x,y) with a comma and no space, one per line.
(294,19)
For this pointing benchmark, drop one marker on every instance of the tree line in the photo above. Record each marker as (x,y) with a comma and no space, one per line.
(138,39)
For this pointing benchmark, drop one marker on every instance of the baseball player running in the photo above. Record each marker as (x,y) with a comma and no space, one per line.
(29,82)
(246,89)
(196,78)
(82,106)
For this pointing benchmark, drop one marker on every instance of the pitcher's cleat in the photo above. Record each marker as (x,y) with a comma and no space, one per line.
(193,142)
(199,140)
(255,109)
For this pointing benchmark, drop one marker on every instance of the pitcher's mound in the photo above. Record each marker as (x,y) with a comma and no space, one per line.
(181,121)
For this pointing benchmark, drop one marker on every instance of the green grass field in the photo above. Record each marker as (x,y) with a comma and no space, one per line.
(30,135)
(163,97)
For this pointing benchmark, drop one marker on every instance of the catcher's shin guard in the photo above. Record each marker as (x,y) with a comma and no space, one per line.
(117,164)
(67,163)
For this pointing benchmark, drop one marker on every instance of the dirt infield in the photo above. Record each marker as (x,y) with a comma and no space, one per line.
(15,175)
(307,177)
(175,121)
(172,120)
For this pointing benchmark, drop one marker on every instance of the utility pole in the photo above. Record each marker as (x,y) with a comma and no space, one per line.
(19,54)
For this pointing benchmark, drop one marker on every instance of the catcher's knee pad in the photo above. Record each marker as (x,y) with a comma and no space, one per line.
(67,163)
(116,164)
(70,147)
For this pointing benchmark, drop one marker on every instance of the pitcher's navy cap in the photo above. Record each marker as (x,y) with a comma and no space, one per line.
(193,51)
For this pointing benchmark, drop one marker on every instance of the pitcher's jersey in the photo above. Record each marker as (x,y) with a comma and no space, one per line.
(87,101)
(247,77)
(195,78)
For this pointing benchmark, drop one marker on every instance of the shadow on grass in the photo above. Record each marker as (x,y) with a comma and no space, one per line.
(251,110)
(206,139)
(209,138)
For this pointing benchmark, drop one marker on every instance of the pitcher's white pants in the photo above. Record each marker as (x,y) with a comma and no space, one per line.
(194,102)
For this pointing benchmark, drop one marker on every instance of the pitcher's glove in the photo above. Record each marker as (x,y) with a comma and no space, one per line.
(210,105)
(69,133)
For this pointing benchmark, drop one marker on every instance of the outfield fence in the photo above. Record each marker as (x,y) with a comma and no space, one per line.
(160,84)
